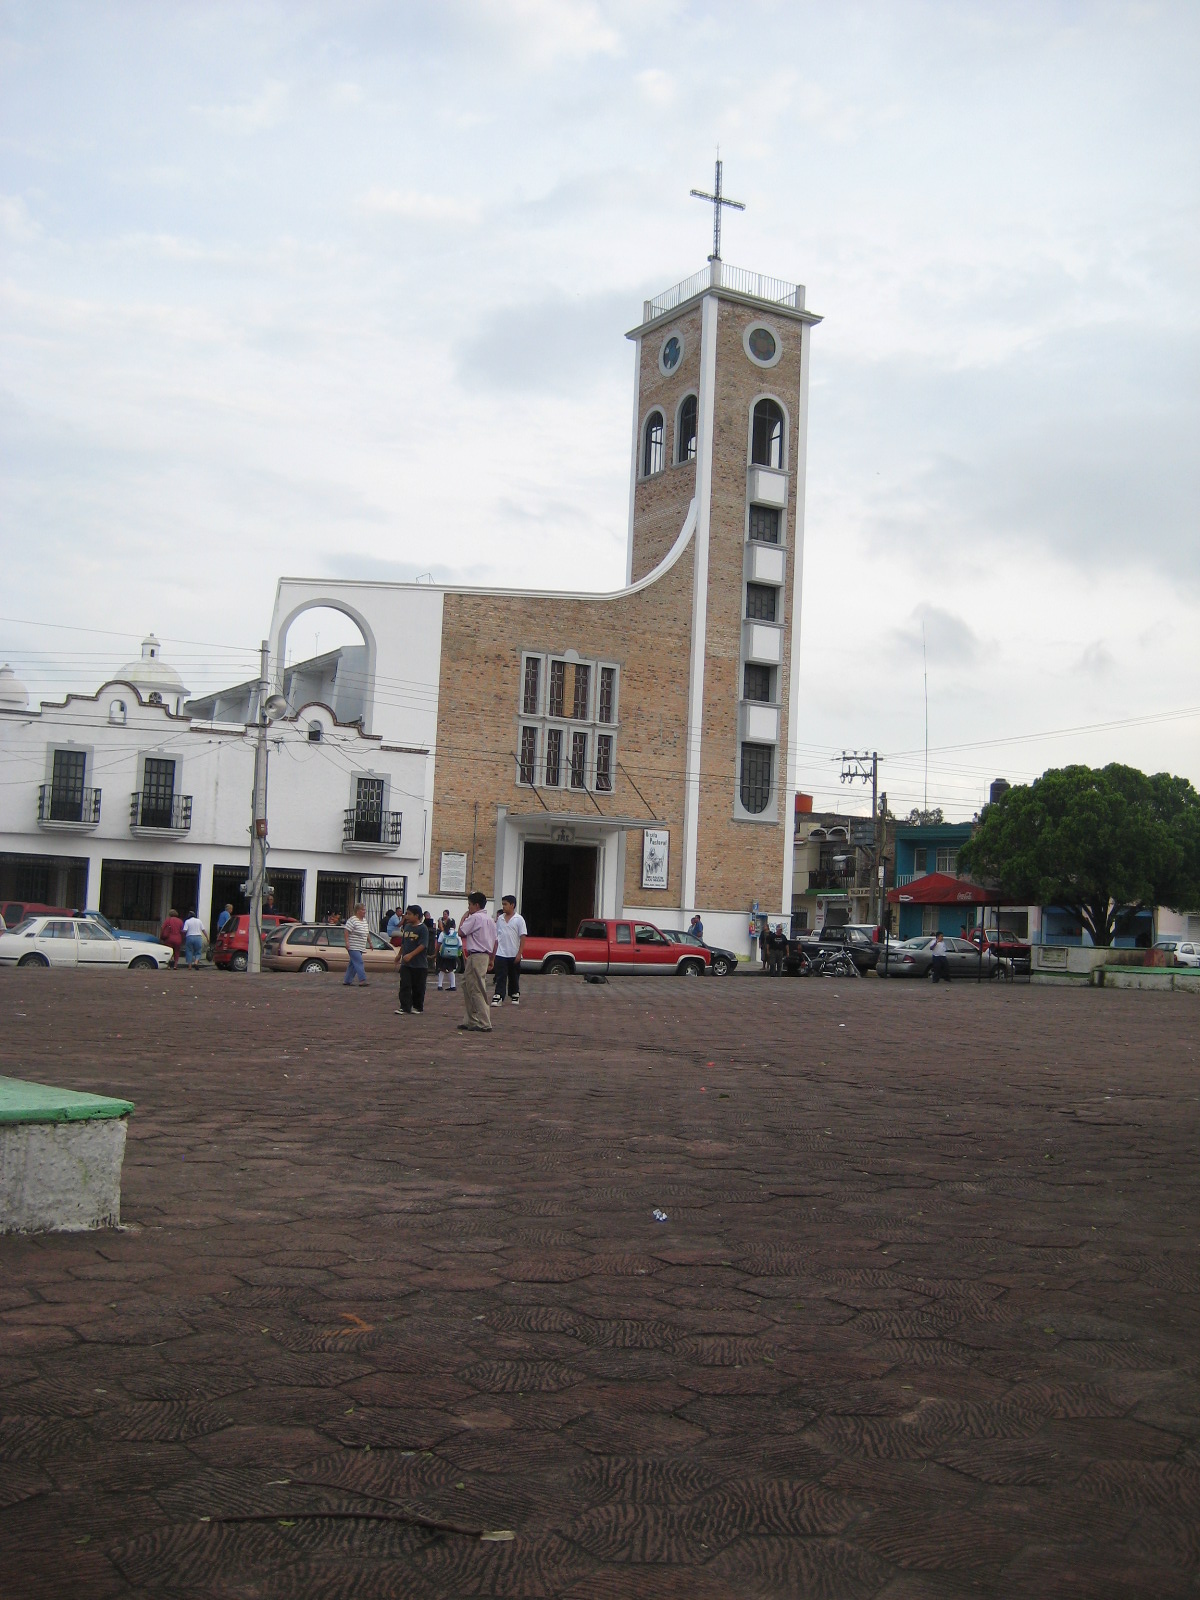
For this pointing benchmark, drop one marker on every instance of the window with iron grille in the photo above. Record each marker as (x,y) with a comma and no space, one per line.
(757,685)
(652,444)
(606,711)
(527,764)
(947,861)
(158,792)
(558,688)
(533,684)
(756,777)
(368,810)
(66,785)
(760,601)
(766,445)
(583,685)
(604,763)
(579,743)
(764,524)
(685,437)
(553,757)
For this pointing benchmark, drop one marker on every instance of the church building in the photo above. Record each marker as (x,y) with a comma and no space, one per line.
(628,753)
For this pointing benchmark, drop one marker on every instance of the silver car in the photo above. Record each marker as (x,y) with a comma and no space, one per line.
(913,958)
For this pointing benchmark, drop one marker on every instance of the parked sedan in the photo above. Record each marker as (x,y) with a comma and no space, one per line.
(1185,951)
(913,958)
(76,942)
(230,950)
(723,961)
(321,947)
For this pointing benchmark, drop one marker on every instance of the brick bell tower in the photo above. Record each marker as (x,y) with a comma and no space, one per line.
(721,418)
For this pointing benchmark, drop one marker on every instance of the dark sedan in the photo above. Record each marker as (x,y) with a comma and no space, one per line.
(723,961)
(913,958)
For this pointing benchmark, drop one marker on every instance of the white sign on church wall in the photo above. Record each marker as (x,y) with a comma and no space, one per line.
(454,872)
(656,849)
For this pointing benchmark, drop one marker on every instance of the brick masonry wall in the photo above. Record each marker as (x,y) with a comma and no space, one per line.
(647,635)
(661,503)
(741,861)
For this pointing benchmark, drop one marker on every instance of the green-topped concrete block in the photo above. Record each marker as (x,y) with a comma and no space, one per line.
(60,1158)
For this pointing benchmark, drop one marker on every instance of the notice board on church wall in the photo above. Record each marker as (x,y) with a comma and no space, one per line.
(454,872)
(656,852)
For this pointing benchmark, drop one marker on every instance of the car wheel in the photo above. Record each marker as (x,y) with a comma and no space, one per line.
(691,969)
(33,960)
(720,967)
(238,961)
(143,964)
(558,968)
(314,966)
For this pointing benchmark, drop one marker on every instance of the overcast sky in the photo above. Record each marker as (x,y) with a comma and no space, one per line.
(343,288)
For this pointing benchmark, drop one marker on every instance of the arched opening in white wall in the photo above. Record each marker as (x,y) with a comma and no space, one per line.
(327,654)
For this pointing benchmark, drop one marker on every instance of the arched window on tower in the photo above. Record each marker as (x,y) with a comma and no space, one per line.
(766,444)
(653,436)
(685,433)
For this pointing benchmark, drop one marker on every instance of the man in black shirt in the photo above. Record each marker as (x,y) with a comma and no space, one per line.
(413,960)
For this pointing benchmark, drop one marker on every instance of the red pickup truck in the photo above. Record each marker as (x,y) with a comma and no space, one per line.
(615,948)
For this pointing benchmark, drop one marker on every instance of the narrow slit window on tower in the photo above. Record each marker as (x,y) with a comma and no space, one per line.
(607,709)
(756,777)
(558,688)
(766,444)
(533,684)
(527,761)
(604,763)
(757,683)
(583,687)
(653,436)
(760,602)
(553,757)
(579,743)
(764,524)
(685,434)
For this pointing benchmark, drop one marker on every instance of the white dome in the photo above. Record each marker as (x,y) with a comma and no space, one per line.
(14,696)
(152,675)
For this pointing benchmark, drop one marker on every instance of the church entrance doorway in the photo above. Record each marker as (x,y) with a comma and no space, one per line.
(558,888)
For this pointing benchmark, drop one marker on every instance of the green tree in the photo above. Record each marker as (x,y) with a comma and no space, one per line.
(1094,840)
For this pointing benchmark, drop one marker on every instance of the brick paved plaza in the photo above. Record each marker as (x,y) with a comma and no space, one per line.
(921,1321)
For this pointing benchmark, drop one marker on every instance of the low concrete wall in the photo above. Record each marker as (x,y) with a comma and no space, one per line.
(1179,980)
(59,1177)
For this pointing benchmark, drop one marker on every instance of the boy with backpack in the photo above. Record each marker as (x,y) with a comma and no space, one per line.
(449,950)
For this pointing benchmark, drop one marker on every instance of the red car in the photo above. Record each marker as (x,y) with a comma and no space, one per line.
(15,911)
(632,947)
(1005,945)
(232,945)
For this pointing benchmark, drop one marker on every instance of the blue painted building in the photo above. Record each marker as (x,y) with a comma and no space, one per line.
(922,848)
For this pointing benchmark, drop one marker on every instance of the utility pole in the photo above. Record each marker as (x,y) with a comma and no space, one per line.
(258,819)
(864,764)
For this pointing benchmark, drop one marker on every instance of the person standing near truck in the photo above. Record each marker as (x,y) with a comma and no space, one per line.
(478,934)
(510,937)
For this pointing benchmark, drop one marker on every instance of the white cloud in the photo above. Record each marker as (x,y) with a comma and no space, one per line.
(266,109)
(16,223)
(413,206)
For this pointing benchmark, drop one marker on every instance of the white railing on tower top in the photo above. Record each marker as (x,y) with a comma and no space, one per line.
(719,275)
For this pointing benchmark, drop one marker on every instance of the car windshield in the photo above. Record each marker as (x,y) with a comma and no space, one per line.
(26,925)
(96,916)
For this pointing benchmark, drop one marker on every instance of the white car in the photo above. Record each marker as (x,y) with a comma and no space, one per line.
(76,942)
(1185,951)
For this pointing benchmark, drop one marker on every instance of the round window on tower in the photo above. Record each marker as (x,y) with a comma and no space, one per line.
(670,355)
(761,345)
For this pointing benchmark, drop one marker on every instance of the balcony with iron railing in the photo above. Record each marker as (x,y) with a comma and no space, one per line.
(735,280)
(373,831)
(154,814)
(76,810)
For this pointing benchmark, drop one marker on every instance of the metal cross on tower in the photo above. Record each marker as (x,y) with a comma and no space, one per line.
(718,200)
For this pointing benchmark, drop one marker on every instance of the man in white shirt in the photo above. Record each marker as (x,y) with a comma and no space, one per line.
(940,965)
(510,940)
(193,941)
(358,936)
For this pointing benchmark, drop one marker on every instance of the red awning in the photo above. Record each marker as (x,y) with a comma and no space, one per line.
(940,889)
